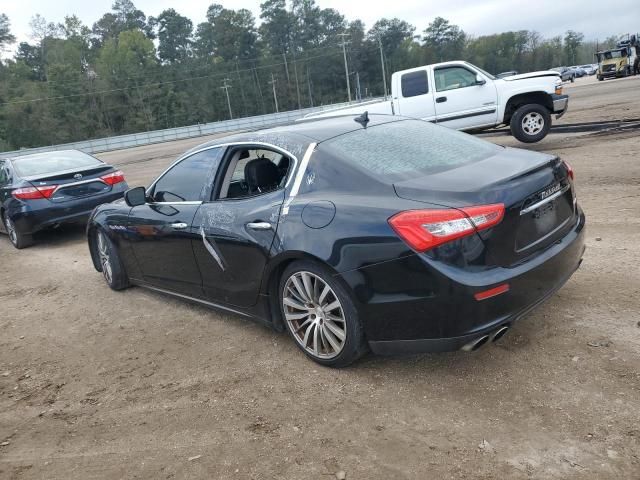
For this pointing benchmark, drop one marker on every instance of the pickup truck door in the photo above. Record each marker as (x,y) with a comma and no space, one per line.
(413,95)
(461,101)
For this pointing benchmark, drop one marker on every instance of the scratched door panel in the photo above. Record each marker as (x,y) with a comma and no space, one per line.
(232,249)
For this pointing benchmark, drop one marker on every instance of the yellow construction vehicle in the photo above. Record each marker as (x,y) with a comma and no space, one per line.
(620,61)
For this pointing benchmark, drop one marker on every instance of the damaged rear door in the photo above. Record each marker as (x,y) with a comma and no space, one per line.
(237,228)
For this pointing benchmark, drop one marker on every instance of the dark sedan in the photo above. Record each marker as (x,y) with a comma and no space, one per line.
(48,189)
(386,233)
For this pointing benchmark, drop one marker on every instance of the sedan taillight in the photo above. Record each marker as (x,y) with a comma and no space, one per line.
(426,229)
(113,178)
(34,193)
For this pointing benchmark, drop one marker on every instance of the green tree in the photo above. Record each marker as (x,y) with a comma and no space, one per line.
(446,40)
(174,36)
(572,41)
(6,38)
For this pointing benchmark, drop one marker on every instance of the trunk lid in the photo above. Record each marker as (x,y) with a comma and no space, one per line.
(535,189)
(74,184)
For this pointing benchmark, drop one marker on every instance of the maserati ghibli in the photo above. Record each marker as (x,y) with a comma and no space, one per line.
(376,233)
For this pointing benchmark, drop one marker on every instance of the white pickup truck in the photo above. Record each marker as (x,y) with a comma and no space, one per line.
(462,96)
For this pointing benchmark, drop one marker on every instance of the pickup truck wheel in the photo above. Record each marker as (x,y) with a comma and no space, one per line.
(530,123)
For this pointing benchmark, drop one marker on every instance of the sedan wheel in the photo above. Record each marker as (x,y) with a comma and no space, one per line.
(314,315)
(17,239)
(105,260)
(320,315)
(109,261)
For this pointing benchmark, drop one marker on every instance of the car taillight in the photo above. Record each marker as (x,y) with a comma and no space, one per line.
(426,229)
(113,178)
(34,193)
(569,170)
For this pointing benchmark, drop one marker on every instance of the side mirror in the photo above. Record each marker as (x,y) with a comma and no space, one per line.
(134,197)
(480,80)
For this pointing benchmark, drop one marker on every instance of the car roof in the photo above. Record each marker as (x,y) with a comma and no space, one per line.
(293,137)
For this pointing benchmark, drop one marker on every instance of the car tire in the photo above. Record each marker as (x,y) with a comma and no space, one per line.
(573,78)
(600,78)
(332,337)
(110,263)
(530,123)
(17,239)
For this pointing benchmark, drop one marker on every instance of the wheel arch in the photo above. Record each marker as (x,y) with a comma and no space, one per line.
(516,101)
(92,230)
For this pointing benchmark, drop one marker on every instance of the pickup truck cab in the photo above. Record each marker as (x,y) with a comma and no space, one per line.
(464,97)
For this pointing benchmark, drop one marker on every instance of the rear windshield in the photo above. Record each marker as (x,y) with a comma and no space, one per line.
(53,162)
(404,149)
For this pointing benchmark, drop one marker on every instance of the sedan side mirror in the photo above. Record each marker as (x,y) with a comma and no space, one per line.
(134,197)
(480,80)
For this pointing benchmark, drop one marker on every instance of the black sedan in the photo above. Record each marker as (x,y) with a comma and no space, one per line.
(386,233)
(48,189)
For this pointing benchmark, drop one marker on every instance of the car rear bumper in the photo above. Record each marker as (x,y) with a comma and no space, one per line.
(433,309)
(35,215)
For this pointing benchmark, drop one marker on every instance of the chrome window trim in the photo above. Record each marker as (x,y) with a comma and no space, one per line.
(195,202)
(226,145)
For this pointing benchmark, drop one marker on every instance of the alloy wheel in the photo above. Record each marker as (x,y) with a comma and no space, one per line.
(532,123)
(105,260)
(11,229)
(314,315)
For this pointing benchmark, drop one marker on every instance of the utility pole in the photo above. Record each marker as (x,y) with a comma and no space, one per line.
(346,67)
(275,96)
(225,86)
(384,75)
(309,85)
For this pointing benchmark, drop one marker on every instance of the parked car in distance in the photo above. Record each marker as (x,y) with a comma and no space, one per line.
(566,74)
(507,74)
(589,69)
(579,71)
(48,189)
(379,232)
(462,96)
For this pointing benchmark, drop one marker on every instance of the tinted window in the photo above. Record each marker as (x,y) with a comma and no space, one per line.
(53,162)
(402,149)
(450,78)
(414,84)
(189,180)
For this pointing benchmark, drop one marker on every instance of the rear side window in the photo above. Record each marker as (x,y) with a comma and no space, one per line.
(414,84)
(403,149)
(188,180)
(53,162)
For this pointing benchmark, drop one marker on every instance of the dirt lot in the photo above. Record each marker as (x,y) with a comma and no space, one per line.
(99,384)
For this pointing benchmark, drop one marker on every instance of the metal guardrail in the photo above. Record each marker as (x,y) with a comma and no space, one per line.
(179,133)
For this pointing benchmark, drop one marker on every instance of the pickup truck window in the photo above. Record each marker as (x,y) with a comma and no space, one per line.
(414,84)
(451,78)
(403,149)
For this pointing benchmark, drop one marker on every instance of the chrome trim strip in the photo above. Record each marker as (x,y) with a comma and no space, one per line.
(530,208)
(299,174)
(197,202)
(193,299)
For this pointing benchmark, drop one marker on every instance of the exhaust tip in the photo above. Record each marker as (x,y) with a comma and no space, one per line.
(476,343)
(499,333)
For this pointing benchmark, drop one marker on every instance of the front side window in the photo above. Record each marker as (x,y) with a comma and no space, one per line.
(254,171)
(414,84)
(188,180)
(451,78)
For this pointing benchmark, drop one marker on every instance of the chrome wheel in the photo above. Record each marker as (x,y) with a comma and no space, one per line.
(11,229)
(532,123)
(314,315)
(105,261)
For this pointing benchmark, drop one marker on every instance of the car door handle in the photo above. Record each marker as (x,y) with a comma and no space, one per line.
(179,226)
(259,225)
(441,99)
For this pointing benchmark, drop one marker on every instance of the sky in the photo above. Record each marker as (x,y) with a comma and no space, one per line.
(596,19)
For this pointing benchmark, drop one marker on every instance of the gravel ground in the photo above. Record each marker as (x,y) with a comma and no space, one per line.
(100,384)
